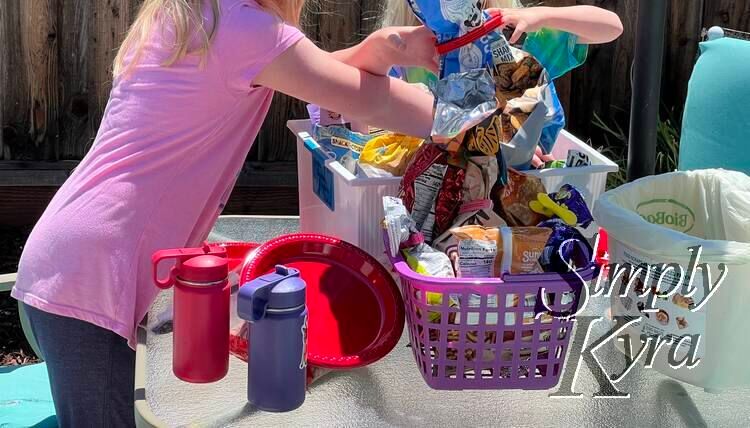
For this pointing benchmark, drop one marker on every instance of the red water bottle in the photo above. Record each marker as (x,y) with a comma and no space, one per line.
(201,311)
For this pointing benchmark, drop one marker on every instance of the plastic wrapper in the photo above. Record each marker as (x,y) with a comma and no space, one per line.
(390,152)
(563,244)
(450,19)
(577,159)
(512,201)
(566,204)
(481,174)
(489,252)
(397,222)
(517,71)
(462,101)
(432,190)
(341,144)
(427,261)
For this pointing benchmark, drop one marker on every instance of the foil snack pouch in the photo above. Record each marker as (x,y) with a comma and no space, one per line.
(481,174)
(432,190)
(489,252)
(512,201)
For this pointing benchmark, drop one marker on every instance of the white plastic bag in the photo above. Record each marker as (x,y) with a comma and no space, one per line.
(664,215)
(699,304)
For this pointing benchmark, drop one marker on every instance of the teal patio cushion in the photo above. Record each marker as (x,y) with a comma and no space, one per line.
(716,122)
(25,397)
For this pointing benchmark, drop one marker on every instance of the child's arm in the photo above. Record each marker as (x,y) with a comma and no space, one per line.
(312,75)
(405,46)
(592,25)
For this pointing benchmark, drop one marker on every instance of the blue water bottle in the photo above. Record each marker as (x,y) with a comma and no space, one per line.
(274,305)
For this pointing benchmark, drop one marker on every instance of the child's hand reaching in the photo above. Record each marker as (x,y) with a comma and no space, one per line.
(526,20)
(410,47)
(592,25)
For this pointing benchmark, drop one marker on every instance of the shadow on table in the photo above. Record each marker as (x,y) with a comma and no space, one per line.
(673,394)
(370,396)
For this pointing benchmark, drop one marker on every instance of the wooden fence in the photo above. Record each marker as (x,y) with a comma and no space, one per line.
(56,56)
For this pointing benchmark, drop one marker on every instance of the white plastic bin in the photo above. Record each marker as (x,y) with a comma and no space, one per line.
(335,202)
(655,221)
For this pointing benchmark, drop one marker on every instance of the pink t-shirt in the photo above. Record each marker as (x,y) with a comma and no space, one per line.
(168,152)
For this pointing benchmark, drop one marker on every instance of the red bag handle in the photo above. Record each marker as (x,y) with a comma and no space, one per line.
(495,21)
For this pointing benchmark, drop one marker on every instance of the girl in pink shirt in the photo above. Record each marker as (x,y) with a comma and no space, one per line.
(193,82)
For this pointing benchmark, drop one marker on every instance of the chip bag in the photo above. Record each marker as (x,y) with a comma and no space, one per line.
(390,152)
(432,189)
(515,71)
(341,144)
(512,201)
(481,174)
(490,252)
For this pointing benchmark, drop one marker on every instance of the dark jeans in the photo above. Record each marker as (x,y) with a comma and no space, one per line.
(91,371)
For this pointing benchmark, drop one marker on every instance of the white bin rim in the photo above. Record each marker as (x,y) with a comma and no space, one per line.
(727,192)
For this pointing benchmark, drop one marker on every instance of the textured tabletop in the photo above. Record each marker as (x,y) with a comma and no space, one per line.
(392,392)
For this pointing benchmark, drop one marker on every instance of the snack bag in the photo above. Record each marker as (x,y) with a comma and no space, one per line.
(390,152)
(566,204)
(341,144)
(451,19)
(432,190)
(398,223)
(532,113)
(427,261)
(462,101)
(563,243)
(515,72)
(512,201)
(481,174)
(490,252)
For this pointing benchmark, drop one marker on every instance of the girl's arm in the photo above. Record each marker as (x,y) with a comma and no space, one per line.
(381,50)
(304,71)
(592,25)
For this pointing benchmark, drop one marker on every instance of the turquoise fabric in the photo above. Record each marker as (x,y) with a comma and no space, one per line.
(25,397)
(559,52)
(716,122)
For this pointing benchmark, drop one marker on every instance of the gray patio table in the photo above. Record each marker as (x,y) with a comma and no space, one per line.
(392,392)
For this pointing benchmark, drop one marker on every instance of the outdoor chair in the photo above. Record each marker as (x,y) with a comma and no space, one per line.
(717,114)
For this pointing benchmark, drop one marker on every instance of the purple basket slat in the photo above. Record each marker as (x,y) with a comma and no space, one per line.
(498,336)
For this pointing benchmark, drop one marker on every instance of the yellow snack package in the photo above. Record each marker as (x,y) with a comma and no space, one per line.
(390,152)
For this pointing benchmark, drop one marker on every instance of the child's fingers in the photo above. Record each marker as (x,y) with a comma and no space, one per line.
(519,31)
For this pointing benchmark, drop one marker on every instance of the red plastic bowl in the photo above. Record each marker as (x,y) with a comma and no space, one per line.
(356,314)
(237,252)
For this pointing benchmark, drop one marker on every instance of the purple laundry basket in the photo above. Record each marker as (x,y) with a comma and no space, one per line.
(491,333)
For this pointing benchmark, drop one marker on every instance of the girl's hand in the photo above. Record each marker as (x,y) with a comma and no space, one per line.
(592,25)
(408,47)
(524,20)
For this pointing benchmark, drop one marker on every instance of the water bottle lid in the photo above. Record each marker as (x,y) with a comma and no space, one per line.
(283,289)
(289,291)
(204,269)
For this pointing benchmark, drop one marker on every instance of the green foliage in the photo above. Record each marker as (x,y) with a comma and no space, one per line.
(616,146)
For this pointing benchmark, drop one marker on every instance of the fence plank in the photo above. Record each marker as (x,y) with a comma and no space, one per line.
(733,14)
(13,78)
(74,119)
(39,39)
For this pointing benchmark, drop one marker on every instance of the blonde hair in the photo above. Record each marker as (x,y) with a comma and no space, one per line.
(186,19)
(398,13)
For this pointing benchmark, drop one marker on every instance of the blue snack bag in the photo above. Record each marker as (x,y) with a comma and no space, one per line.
(341,144)
(450,19)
